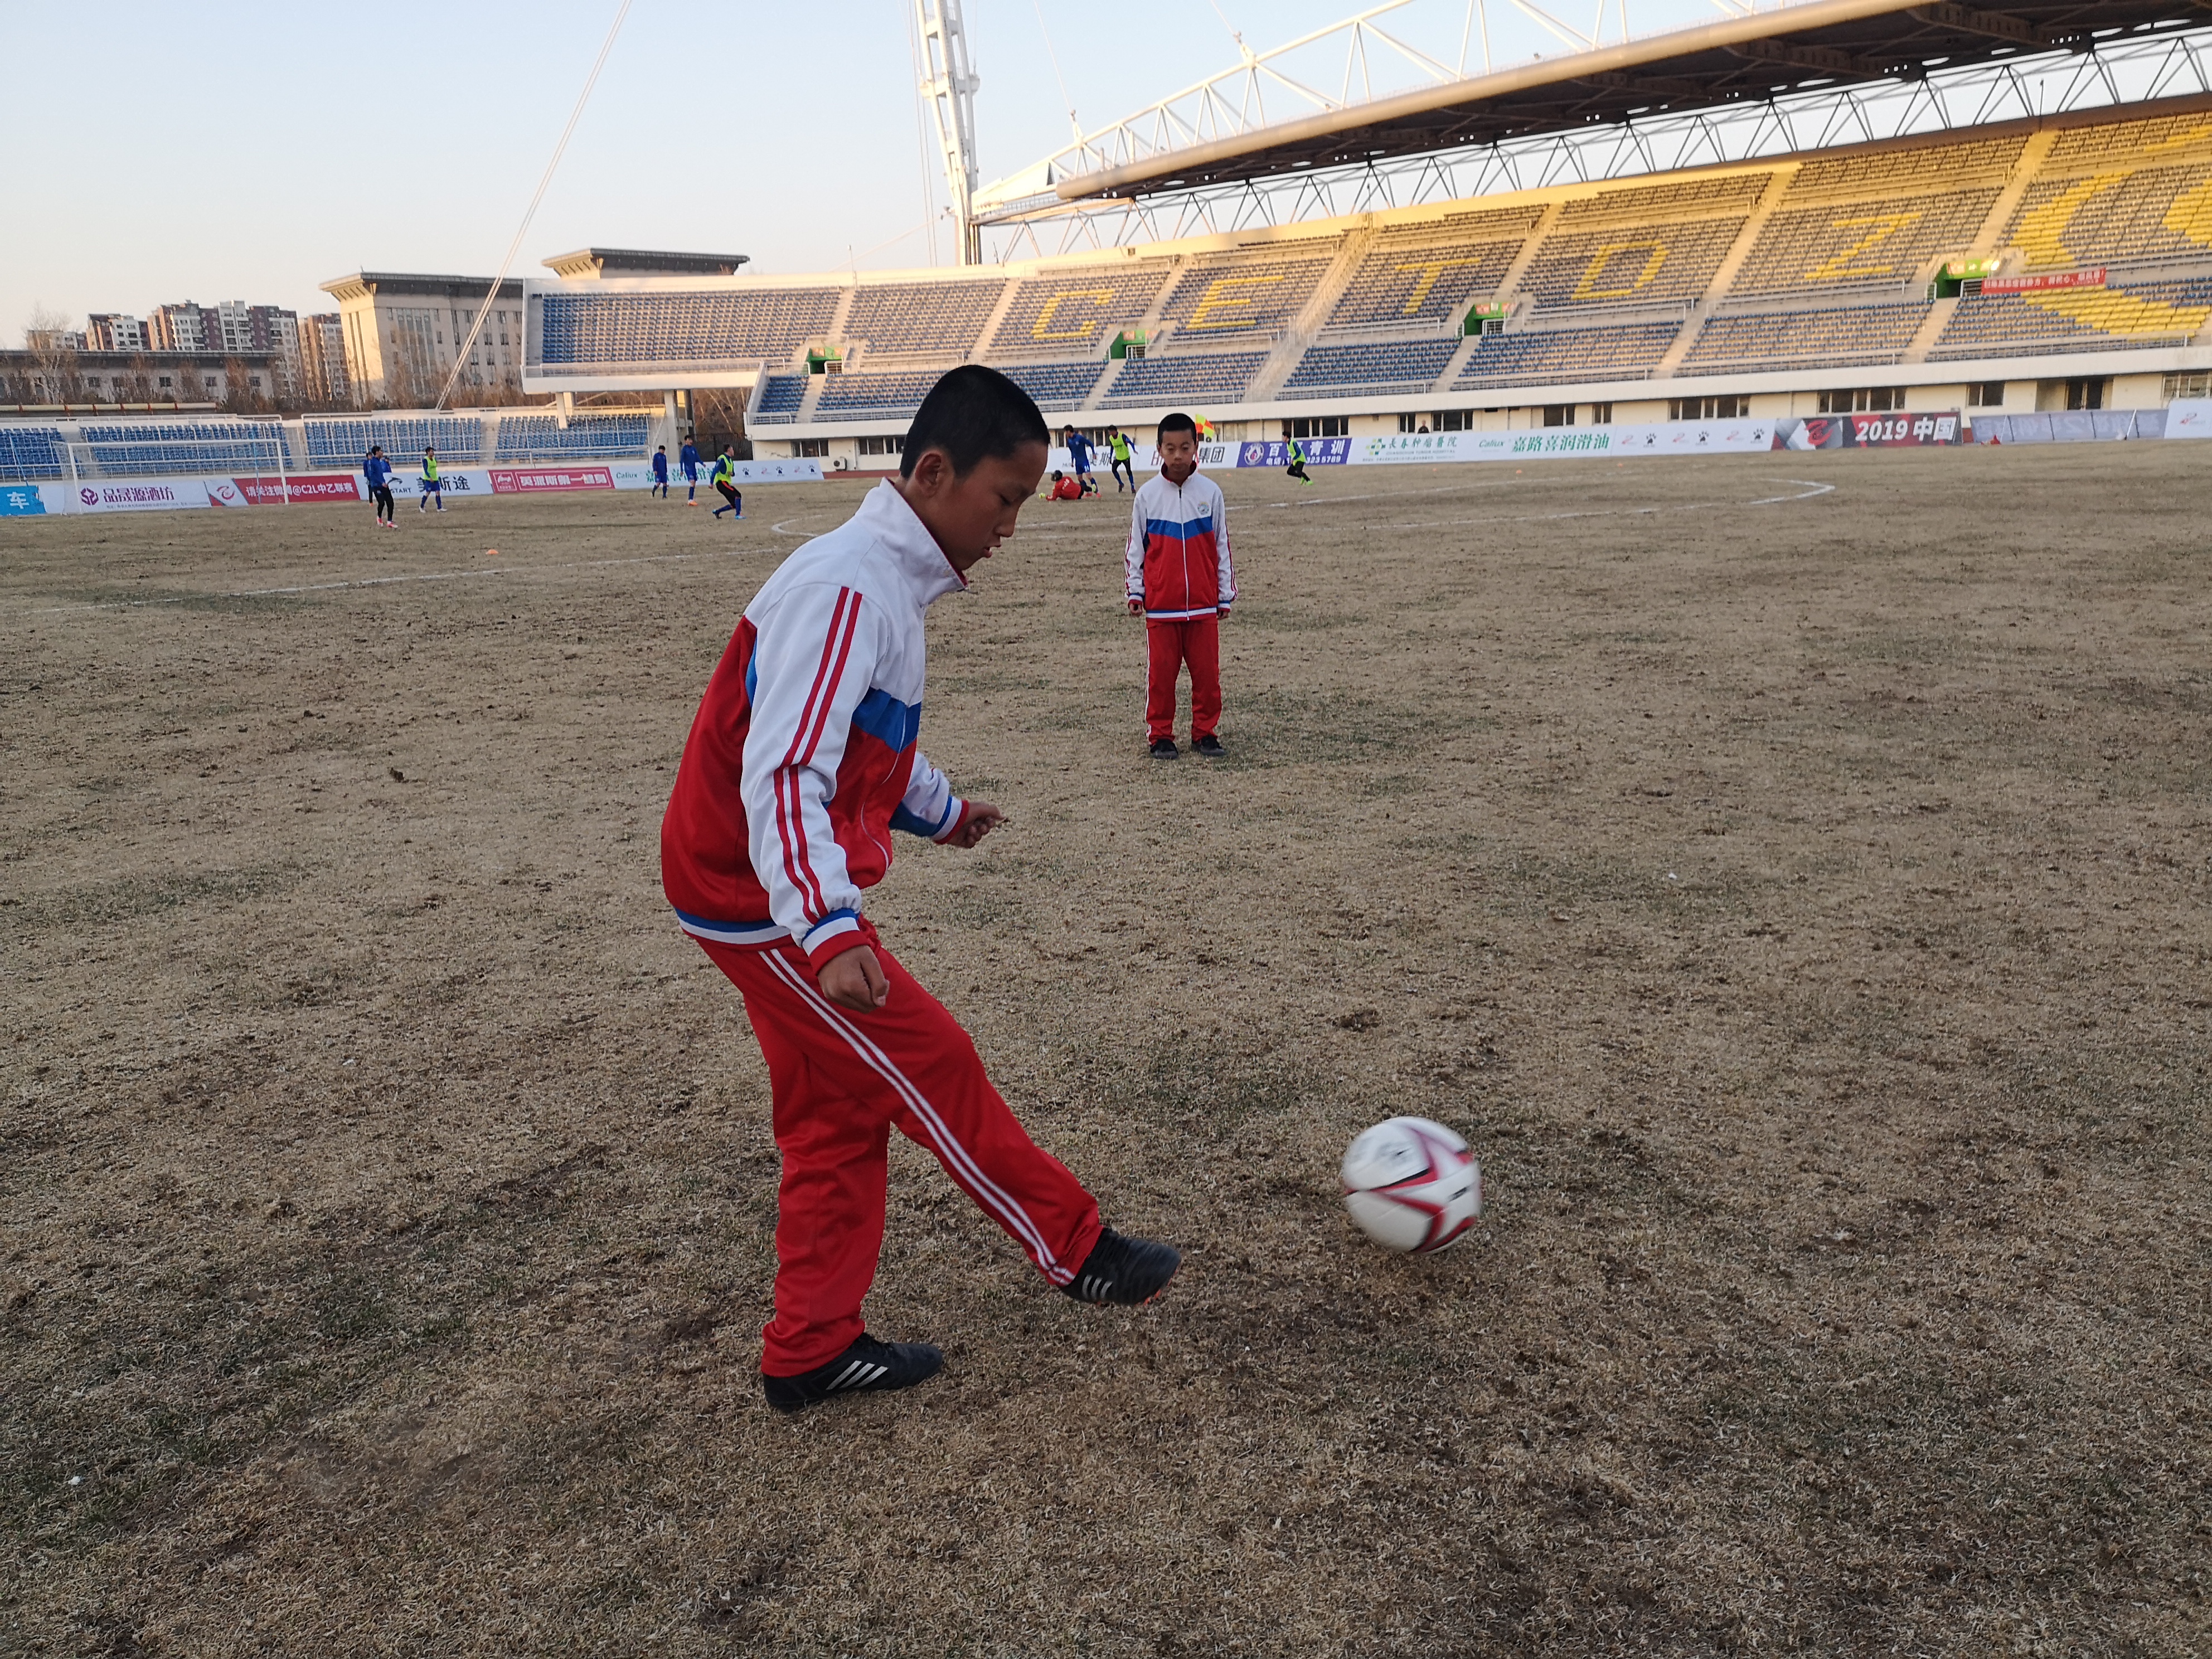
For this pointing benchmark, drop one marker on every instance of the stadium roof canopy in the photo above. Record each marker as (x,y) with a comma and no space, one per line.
(361,284)
(1820,44)
(590,262)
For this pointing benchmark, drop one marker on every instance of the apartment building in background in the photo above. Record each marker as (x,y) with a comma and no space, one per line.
(234,329)
(322,359)
(111,330)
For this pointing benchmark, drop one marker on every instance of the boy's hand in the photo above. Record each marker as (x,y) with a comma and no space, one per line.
(982,819)
(1136,607)
(854,979)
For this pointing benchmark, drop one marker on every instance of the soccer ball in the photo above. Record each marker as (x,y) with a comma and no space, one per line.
(1412,1185)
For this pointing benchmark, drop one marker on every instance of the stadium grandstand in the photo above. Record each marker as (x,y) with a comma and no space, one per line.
(45,451)
(2050,261)
(2020,225)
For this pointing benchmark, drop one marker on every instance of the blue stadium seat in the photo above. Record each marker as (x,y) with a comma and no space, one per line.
(31,452)
(1327,370)
(344,441)
(1070,310)
(2013,325)
(1828,334)
(1570,354)
(577,330)
(588,437)
(781,398)
(1056,386)
(909,316)
(1237,294)
(853,395)
(1171,379)
(1628,265)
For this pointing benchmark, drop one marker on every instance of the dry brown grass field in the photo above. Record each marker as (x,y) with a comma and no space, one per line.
(1790,872)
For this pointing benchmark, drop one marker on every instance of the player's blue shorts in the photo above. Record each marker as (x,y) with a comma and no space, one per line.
(434,486)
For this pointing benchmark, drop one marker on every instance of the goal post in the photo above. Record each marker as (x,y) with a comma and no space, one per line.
(252,455)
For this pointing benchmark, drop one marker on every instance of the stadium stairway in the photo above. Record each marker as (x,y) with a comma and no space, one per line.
(1509,285)
(1305,327)
(1724,274)
(1105,389)
(1007,298)
(1931,331)
(2025,167)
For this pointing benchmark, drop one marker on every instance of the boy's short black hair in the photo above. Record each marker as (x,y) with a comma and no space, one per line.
(973,413)
(1177,422)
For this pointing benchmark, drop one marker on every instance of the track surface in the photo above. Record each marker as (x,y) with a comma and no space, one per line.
(1790,872)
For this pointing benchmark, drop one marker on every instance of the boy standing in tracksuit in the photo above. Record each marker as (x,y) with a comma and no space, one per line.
(690,458)
(660,474)
(800,763)
(1180,580)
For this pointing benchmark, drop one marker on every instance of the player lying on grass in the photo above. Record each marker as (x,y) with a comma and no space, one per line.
(800,763)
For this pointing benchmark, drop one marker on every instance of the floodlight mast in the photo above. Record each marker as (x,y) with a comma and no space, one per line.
(949,82)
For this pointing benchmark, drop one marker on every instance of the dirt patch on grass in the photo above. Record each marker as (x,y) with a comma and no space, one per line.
(1799,899)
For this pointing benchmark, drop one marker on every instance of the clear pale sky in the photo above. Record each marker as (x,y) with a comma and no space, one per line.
(246,151)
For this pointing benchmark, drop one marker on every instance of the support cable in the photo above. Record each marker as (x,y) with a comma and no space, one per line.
(521,230)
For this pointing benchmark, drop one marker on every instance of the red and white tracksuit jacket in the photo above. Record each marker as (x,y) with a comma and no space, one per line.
(802,759)
(1179,570)
(801,762)
(1178,555)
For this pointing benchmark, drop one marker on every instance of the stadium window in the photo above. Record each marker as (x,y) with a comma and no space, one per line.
(167,383)
(1559,414)
(1600,414)
(1316,426)
(2188,385)
(1456,420)
(1985,394)
(893,445)
(1413,423)
(814,447)
(1720,409)
(2084,394)
(1880,400)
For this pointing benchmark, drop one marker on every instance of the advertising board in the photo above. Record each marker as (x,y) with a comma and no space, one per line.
(1902,431)
(534,480)
(20,501)
(2188,418)
(1270,452)
(143,494)
(2048,280)
(1740,436)
(309,487)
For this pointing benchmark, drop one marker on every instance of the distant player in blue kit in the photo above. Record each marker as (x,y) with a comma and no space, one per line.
(1079,461)
(659,473)
(378,471)
(689,457)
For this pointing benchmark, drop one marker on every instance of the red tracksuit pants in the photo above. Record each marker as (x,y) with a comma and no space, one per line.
(1172,644)
(840,1083)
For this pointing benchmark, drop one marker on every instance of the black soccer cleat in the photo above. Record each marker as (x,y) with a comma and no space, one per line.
(1164,749)
(1210,746)
(1128,1271)
(868,1367)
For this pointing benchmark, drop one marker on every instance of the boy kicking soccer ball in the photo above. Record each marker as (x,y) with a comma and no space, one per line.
(800,763)
(1179,581)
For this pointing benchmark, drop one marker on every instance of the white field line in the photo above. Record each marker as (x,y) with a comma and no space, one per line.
(1809,489)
